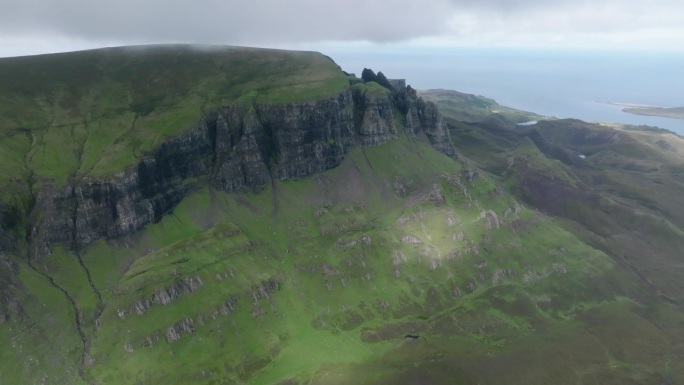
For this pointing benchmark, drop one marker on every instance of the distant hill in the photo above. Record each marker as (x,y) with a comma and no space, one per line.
(674,112)
(621,183)
(473,108)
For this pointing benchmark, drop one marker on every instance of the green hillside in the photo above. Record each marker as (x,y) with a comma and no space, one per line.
(618,187)
(395,241)
(517,263)
(620,184)
(95,112)
(472,108)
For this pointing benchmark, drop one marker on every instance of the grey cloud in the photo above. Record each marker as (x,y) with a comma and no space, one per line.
(229,21)
(292,21)
(514,6)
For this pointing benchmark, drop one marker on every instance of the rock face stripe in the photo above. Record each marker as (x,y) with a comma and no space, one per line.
(235,147)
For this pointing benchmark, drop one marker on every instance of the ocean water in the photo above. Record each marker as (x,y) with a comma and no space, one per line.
(564,84)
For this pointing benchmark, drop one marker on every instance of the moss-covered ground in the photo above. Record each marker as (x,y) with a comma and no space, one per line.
(95,112)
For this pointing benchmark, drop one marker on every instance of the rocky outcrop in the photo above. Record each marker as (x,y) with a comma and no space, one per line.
(139,307)
(10,218)
(235,147)
(367,75)
(225,309)
(9,304)
(186,326)
(490,219)
(342,244)
(264,290)
(421,116)
(374,115)
(397,84)
(410,239)
(375,119)
(432,123)
(166,295)
(163,296)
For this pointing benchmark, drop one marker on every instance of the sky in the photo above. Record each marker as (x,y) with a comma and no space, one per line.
(42,26)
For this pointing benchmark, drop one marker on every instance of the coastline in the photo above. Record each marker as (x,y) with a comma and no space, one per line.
(672,113)
(630,105)
(649,110)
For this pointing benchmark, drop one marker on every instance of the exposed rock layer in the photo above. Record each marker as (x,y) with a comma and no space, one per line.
(236,147)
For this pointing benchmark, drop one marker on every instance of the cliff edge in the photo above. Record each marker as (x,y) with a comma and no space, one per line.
(244,135)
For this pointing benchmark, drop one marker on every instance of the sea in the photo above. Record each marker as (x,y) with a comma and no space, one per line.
(552,82)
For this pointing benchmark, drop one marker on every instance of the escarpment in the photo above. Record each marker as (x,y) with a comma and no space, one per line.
(244,145)
(374,114)
(424,116)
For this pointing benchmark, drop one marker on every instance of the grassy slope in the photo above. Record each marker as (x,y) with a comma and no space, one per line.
(341,312)
(619,187)
(95,112)
(64,116)
(43,346)
(471,108)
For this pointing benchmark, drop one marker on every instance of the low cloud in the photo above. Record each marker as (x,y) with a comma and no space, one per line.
(214,21)
(282,22)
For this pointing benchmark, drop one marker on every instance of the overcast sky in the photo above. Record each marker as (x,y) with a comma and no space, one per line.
(40,26)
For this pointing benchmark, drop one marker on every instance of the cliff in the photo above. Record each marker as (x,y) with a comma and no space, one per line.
(374,114)
(238,146)
(420,115)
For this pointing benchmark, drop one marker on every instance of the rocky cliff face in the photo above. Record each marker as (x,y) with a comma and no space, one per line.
(424,116)
(236,147)
(306,138)
(9,306)
(374,116)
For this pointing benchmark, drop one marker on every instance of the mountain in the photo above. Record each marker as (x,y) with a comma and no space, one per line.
(222,215)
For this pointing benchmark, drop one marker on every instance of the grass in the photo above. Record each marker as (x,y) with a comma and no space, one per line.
(95,112)
(372,88)
(44,344)
(472,108)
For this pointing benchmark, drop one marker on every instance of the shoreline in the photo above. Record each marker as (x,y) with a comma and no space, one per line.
(672,113)
(630,105)
(649,110)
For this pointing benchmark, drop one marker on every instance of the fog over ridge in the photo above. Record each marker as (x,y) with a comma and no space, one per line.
(277,22)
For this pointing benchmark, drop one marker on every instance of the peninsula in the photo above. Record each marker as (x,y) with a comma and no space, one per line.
(648,110)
